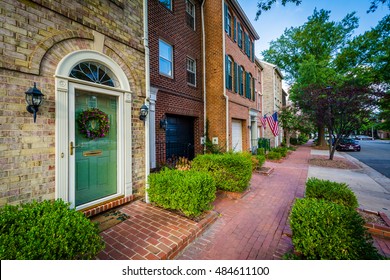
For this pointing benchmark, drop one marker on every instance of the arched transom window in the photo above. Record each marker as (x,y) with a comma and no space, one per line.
(94,72)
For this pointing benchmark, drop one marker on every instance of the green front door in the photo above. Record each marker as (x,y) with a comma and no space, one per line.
(96,159)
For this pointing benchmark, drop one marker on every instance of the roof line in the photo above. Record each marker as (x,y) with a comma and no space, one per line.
(247,22)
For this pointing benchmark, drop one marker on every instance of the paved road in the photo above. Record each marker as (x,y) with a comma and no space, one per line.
(375,154)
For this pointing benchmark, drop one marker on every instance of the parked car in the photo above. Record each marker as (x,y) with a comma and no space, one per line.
(363,137)
(348,144)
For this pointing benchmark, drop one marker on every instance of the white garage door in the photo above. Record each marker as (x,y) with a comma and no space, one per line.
(237,135)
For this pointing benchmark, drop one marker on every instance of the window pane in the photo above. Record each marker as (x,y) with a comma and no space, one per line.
(167,3)
(165,67)
(165,50)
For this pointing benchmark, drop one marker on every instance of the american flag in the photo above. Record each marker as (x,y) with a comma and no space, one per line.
(264,121)
(273,123)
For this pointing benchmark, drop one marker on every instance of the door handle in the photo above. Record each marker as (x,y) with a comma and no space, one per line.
(71,147)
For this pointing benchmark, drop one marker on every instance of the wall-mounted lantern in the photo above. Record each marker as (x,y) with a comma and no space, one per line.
(164,123)
(34,99)
(143,112)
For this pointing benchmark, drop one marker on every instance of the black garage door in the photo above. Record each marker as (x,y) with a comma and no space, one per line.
(180,137)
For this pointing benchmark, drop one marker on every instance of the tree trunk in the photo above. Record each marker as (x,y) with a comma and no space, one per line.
(321,136)
(288,137)
(331,152)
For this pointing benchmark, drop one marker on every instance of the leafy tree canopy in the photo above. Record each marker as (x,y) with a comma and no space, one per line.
(319,39)
(265,5)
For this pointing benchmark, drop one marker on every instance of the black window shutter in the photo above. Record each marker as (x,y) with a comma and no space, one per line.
(226,71)
(235,78)
(253,89)
(253,51)
(239,35)
(226,19)
(235,30)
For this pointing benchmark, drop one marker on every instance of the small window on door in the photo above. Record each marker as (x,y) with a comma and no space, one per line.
(191,71)
(190,14)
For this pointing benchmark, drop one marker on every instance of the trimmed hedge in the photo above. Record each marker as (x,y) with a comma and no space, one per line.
(274,155)
(281,150)
(331,191)
(329,231)
(190,192)
(47,230)
(231,171)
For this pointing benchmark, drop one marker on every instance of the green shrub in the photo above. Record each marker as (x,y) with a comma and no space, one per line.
(332,191)
(326,230)
(261,159)
(231,171)
(47,231)
(273,155)
(190,192)
(281,150)
(261,152)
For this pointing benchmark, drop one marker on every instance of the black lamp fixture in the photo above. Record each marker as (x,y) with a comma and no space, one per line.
(34,99)
(164,123)
(143,112)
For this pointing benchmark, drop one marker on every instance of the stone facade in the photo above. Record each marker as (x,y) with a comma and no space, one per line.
(35,36)
(272,97)
(174,96)
(224,103)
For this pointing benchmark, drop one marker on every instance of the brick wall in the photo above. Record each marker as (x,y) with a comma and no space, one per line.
(216,103)
(175,95)
(34,37)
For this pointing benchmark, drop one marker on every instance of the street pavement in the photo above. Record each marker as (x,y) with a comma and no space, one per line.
(371,187)
(375,154)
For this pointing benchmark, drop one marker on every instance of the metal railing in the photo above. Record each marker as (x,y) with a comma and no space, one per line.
(168,153)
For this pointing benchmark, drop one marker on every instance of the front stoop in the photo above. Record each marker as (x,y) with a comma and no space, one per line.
(232,195)
(151,233)
(379,230)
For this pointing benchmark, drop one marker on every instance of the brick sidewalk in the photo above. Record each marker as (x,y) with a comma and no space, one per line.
(150,233)
(255,227)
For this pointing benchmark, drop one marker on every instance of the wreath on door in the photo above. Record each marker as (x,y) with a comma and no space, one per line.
(93,123)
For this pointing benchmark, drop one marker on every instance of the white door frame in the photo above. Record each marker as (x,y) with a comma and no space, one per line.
(64,88)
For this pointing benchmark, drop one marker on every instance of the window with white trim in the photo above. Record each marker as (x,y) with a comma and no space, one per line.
(191,71)
(165,58)
(190,14)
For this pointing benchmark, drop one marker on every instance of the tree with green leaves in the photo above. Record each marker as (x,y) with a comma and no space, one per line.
(265,5)
(293,120)
(368,55)
(306,54)
(341,108)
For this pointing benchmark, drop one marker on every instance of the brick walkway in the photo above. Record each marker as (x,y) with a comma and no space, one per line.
(150,233)
(255,227)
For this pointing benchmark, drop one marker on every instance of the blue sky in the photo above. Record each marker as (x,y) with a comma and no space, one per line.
(271,24)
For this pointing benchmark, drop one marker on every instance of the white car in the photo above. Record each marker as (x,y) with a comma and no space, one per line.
(363,137)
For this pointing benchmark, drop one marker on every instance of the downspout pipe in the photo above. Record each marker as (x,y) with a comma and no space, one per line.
(204,76)
(147,96)
(224,79)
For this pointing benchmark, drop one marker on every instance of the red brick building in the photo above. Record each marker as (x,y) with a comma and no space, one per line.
(231,104)
(176,100)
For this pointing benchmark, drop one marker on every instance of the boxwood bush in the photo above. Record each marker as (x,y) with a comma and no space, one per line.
(331,191)
(47,230)
(189,192)
(281,150)
(231,171)
(326,230)
(274,155)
